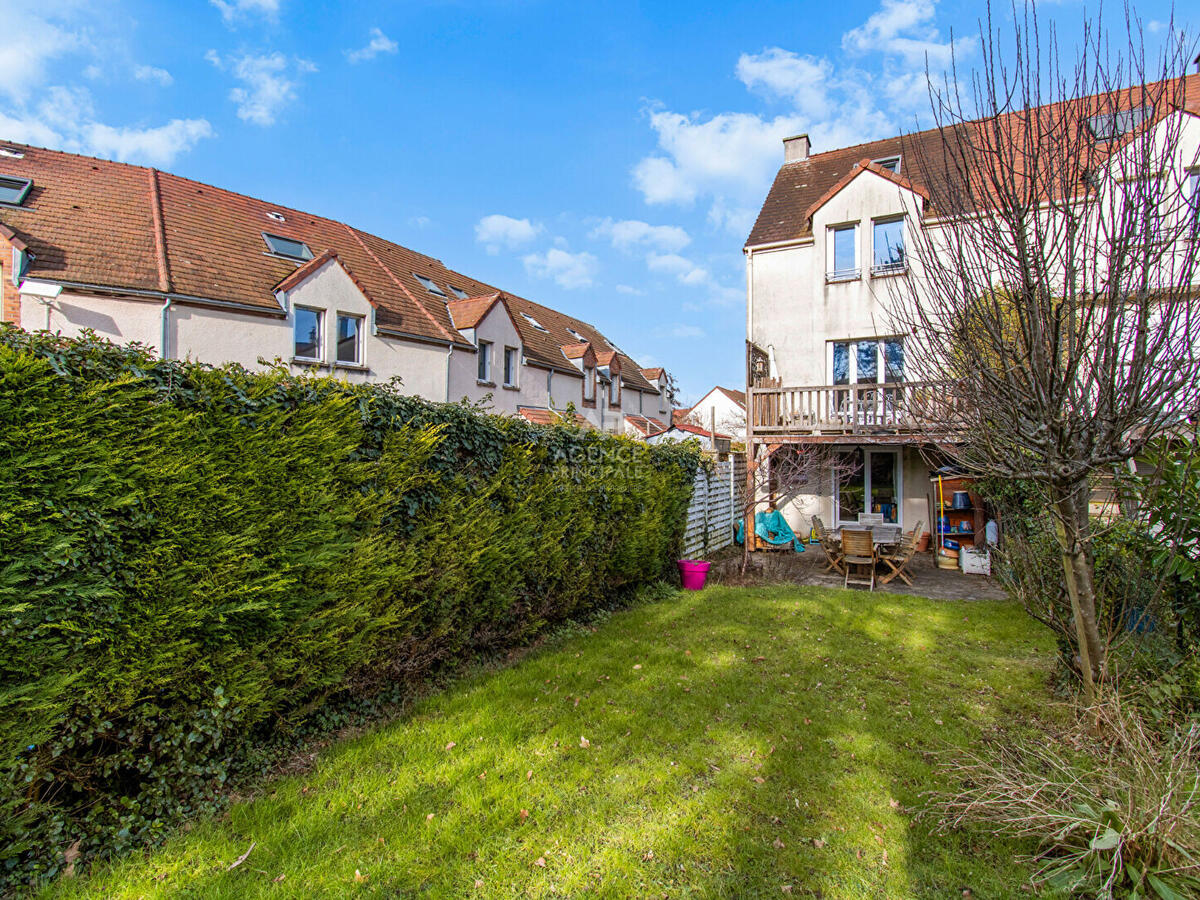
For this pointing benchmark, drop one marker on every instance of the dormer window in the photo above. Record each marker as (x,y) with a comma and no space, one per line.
(13,191)
(1108,126)
(429,284)
(534,322)
(288,248)
(891,163)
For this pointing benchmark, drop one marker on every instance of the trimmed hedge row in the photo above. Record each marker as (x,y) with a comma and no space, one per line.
(194,559)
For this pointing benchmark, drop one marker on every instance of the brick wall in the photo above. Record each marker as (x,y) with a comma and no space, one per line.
(10,300)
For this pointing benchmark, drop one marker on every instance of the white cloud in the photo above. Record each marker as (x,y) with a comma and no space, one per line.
(629,234)
(379,43)
(569,270)
(804,80)
(28,43)
(729,152)
(684,270)
(903,28)
(66,120)
(233,10)
(684,332)
(151,73)
(496,231)
(269,83)
(727,159)
(629,289)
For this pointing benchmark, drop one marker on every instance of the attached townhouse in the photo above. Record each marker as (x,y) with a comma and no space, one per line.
(195,271)
(824,366)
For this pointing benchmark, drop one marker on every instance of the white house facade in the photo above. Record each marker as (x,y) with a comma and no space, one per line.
(827,264)
(196,272)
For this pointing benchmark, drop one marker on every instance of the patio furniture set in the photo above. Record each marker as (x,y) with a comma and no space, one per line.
(855,552)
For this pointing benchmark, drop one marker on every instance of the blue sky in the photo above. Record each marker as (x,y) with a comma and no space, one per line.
(606,159)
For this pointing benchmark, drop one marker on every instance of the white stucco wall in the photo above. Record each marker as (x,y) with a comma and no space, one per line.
(121,321)
(794,313)
(731,418)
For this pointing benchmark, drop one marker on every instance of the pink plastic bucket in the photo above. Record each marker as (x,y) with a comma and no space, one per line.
(694,572)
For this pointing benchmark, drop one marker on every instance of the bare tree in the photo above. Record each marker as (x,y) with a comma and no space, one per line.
(1053,277)
(780,473)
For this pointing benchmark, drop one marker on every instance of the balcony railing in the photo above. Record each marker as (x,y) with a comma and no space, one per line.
(908,407)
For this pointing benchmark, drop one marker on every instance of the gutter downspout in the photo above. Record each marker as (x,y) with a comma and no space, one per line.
(449,354)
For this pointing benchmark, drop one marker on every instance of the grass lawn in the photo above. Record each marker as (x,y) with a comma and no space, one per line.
(739,742)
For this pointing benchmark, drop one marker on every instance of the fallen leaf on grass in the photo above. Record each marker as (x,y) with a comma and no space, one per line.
(451,745)
(584,742)
(648,855)
(894,804)
(429,817)
(360,877)
(524,814)
(638,666)
(818,843)
(529,774)
(758,779)
(778,845)
(540,862)
(478,882)
(241,859)
(760,659)
(278,878)
(786,888)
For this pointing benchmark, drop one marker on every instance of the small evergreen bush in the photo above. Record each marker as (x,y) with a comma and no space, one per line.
(194,559)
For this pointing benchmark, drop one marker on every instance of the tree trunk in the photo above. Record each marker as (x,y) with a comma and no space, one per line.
(1073,531)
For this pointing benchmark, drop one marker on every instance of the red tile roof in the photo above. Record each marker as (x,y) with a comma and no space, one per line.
(645,425)
(468,313)
(541,416)
(114,226)
(697,430)
(803,186)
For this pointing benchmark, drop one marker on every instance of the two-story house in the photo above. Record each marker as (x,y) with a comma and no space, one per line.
(195,271)
(827,259)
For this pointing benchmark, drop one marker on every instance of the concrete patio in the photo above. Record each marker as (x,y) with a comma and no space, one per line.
(809,567)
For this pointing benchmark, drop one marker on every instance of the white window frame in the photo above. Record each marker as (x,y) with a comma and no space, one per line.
(483,366)
(833,274)
(614,385)
(589,383)
(320,313)
(516,366)
(852,369)
(358,339)
(835,492)
(894,268)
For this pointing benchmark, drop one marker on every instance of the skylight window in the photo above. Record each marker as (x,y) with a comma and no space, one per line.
(13,191)
(289,248)
(429,285)
(1108,126)
(575,334)
(277,216)
(12,153)
(891,163)
(535,323)
(459,293)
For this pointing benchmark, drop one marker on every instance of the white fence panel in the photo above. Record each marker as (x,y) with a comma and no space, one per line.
(710,517)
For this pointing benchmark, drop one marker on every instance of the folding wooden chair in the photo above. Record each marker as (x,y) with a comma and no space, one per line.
(899,558)
(858,552)
(831,545)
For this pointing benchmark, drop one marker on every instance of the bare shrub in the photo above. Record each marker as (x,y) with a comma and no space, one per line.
(1116,817)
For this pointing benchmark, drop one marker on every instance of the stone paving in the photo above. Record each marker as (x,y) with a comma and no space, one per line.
(809,567)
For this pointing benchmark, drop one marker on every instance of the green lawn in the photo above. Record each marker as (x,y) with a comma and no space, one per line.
(739,742)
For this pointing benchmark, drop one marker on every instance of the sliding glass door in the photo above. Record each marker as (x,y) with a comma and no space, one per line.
(867,480)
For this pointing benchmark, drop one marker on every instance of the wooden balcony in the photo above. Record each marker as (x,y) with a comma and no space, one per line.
(917,408)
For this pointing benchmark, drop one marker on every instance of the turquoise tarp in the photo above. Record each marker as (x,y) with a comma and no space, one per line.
(772,527)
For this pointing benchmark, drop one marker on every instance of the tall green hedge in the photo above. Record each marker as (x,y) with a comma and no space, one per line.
(193,559)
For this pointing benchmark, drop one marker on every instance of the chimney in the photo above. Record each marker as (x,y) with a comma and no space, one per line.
(795,148)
